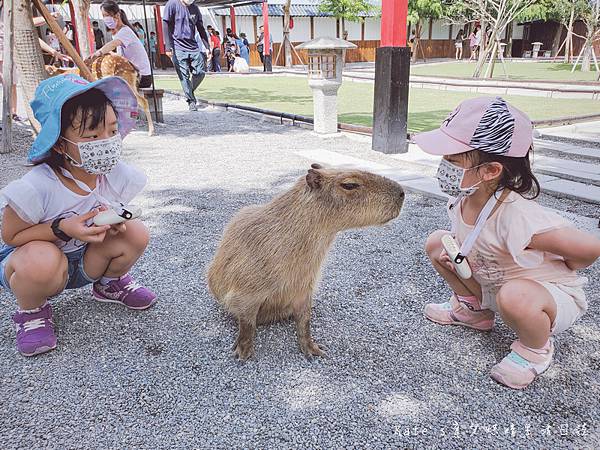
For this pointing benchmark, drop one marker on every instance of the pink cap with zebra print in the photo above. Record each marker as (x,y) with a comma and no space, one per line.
(487,124)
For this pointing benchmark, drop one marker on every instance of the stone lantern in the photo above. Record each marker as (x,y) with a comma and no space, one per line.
(325,65)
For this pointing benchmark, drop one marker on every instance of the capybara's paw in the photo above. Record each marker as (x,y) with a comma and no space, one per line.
(311,348)
(243,351)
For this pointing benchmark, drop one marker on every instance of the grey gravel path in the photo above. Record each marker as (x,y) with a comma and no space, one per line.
(165,378)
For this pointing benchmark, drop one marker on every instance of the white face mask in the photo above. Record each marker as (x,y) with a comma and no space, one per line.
(98,157)
(450,178)
(188,2)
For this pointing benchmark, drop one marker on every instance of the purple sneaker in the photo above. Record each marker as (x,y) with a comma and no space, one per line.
(35,331)
(124,291)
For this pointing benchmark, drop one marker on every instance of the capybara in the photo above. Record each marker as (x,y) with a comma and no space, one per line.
(268,263)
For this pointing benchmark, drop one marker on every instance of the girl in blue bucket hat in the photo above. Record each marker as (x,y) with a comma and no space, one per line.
(51,240)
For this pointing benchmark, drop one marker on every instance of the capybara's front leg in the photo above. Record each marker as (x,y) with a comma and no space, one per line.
(302,313)
(244,344)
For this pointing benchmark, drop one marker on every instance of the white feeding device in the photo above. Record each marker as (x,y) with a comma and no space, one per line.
(113,217)
(460,263)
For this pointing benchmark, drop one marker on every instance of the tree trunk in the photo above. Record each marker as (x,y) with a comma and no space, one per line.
(82,8)
(587,56)
(28,55)
(569,38)
(7,78)
(556,40)
(286,33)
(416,40)
(483,50)
(509,40)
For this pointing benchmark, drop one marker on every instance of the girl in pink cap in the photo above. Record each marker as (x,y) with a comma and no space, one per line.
(512,256)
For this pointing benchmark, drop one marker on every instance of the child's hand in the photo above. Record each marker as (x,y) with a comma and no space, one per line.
(117,228)
(445,261)
(75,226)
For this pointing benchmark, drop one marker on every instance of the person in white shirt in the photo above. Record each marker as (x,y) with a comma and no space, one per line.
(125,41)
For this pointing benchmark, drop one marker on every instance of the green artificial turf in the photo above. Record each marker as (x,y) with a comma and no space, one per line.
(427,107)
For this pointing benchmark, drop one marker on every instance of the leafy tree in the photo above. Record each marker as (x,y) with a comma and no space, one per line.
(419,10)
(351,10)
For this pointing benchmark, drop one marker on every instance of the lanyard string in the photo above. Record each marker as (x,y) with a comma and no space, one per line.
(87,189)
(467,245)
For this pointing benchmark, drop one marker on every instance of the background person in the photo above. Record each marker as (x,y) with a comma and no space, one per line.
(125,41)
(244,47)
(458,43)
(152,42)
(261,44)
(139,30)
(215,45)
(181,20)
(98,35)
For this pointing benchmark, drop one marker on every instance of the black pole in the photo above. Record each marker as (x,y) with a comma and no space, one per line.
(390,108)
(151,62)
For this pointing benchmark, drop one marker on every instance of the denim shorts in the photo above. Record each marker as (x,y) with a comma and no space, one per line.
(76,275)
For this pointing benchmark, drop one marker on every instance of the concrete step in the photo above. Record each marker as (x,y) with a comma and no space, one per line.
(566,149)
(584,132)
(570,170)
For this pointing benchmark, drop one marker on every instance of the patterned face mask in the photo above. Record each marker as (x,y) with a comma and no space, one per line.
(98,157)
(450,178)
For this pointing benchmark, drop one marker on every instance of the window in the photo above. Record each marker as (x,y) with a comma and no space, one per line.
(322,66)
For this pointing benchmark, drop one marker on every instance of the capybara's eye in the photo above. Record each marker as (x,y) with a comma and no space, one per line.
(350,186)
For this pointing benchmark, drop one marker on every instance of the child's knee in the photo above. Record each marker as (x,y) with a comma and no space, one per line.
(137,234)
(512,299)
(433,245)
(40,263)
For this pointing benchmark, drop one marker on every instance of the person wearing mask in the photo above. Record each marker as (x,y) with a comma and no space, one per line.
(181,20)
(98,35)
(125,41)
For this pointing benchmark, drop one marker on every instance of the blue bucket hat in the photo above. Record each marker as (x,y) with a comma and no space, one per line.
(51,95)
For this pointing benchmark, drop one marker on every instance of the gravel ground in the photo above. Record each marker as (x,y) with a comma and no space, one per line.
(165,378)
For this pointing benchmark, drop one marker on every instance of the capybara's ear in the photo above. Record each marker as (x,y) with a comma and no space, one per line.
(316,166)
(314,179)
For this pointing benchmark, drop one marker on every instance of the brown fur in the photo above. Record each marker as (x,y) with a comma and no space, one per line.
(110,65)
(269,260)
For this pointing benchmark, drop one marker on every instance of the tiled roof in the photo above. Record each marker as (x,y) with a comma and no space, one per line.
(303,10)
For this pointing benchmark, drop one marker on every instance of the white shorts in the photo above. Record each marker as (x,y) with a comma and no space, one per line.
(569,298)
(570,305)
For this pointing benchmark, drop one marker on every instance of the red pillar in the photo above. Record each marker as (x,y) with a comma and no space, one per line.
(159,30)
(393,23)
(267,39)
(91,37)
(232,17)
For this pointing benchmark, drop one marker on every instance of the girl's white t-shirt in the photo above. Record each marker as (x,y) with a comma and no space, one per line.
(133,50)
(40,197)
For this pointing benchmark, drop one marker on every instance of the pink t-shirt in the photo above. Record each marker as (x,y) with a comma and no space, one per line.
(501,251)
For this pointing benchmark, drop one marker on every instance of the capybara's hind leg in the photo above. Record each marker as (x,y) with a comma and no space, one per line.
(243,348)
(302,311)
(245,309)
